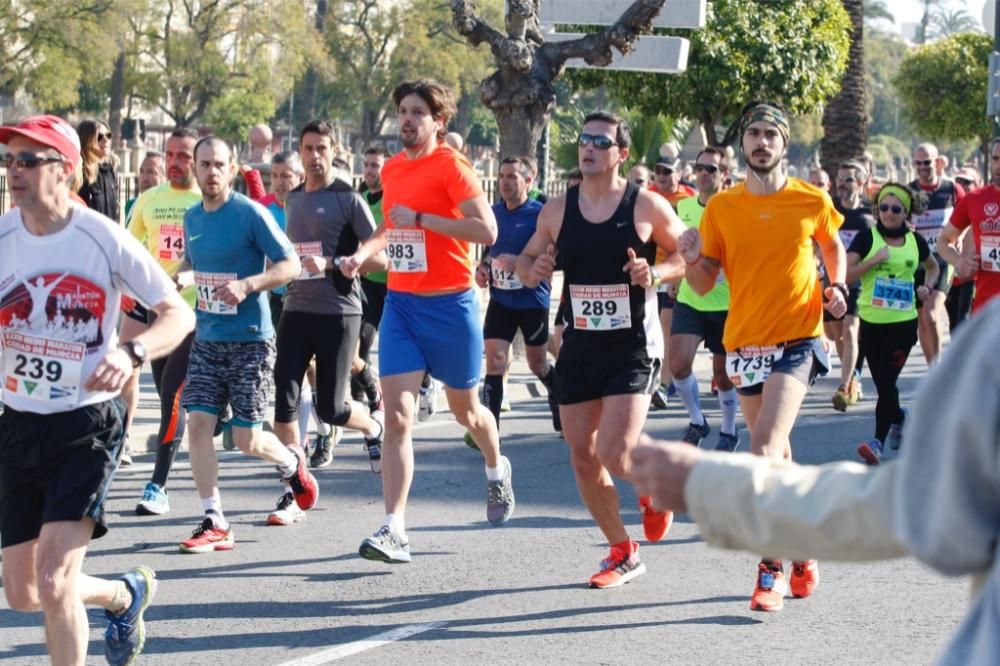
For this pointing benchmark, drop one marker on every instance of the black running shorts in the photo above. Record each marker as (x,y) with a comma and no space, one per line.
(706,325)
(502,323)
(582,382)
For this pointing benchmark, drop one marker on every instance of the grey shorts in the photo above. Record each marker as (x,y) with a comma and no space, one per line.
(708,326)
(238,373)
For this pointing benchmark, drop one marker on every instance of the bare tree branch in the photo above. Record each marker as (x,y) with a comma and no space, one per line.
(595,49)
(475,29)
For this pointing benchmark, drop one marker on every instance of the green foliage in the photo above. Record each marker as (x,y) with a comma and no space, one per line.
(780,50)
(883,54)
(943,88)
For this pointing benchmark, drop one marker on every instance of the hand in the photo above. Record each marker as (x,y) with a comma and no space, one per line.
(314,264)
(508,262)
(882,255)
(544,264)
(924,292)
(184,279)
(638,270)
(660,470)
(233,292)
(403,217)
(835,303)
(111,372)
(482,275)
(351,266)
(968,266)
(689,245)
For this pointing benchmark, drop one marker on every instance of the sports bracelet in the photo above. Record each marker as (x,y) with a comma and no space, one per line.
(418,221)
(842,288)
(692,263)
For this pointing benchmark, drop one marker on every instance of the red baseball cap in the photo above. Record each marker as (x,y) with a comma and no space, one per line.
(50,131)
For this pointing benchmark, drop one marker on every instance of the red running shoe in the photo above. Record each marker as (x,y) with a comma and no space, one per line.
(207,538)
(619,568)
(654,523)
(303,483)
(769,593)
(805,578)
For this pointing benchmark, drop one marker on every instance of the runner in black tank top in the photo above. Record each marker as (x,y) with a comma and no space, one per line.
(603,233)
(591,254)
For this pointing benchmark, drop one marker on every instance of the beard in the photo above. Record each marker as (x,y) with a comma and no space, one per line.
(764,169)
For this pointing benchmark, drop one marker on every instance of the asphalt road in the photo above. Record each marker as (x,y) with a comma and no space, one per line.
(301,595)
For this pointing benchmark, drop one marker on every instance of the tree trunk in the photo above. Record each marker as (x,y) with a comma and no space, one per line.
(845,120)
(311,80)
(117,99)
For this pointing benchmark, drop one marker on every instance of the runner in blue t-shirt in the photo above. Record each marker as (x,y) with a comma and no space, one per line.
(512,305)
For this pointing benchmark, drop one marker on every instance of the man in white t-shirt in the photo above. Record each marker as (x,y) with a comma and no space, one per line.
(62,428)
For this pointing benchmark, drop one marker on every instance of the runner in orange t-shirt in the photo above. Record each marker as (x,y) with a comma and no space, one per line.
(761,234)
(433,208)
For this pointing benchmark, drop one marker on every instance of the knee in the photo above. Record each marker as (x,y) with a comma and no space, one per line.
(53,587)
(614,459)
(248,440)
(466,417)
(585,464)
(539,366)
(496,362)
(337,416)
(680,368)
(22,597)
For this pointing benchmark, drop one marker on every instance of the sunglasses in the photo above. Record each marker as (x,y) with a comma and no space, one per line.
(104,137)
(885,208)
(25,160)
(849,179)
(600,141)
(707,168)
(923,162)
(663,171)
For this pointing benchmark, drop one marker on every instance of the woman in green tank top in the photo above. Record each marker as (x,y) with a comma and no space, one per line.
(886,260)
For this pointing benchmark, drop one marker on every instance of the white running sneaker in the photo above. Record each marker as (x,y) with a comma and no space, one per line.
(286,511)
(428,401)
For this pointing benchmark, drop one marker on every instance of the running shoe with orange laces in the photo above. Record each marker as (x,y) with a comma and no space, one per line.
(619,568)
(207,538)
(654,523)
(769,594)
(804,579)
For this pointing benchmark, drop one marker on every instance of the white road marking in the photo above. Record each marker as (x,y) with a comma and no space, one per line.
(350,649)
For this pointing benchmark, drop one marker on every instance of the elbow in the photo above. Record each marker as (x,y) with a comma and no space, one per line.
(186,319)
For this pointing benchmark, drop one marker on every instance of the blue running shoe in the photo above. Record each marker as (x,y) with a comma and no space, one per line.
(126,633)
(154,501)
(871,451)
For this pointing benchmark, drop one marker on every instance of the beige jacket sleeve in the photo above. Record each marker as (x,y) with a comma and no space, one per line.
(838,511)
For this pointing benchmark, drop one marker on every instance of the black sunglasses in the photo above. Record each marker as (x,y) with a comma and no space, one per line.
(885,208)
(25,160)
(662,170)
(600,141)
(104,137)
(707,168)
(849,179)
(923,162)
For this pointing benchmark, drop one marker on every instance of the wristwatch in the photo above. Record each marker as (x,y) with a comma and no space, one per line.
(657,278)
(136,351)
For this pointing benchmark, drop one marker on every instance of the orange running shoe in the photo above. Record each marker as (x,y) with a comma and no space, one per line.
(769,594)
(654,523)
(805,578)
(619,568)
(207,538)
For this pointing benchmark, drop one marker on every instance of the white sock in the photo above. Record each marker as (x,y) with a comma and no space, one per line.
(494,473)
(394,521)
(374,432)
(290,463)
(687,388)
(322,428)
(305,407)
(728,402)
(213,505)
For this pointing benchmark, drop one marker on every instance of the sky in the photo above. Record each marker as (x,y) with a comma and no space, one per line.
(910,11)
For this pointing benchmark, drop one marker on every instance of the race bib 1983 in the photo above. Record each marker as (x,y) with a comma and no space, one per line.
(407,250)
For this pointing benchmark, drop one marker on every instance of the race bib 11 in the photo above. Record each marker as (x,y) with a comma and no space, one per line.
(206,284)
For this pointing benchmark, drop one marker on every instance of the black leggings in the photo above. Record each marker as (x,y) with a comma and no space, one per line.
(331,339)
(373,306)
(886,347)
(168,375)
(959,303)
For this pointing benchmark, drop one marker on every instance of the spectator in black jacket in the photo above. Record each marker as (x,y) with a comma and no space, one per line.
(100,181)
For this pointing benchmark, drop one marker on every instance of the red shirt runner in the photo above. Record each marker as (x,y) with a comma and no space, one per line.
(980,210)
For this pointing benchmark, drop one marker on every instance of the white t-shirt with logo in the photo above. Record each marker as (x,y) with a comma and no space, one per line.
(60,299)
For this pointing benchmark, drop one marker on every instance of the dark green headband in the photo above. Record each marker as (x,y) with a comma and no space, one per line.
(768,114)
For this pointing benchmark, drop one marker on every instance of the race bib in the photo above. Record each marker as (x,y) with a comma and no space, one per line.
(171,242)
(750,366)
(989,253)
(502,279)
(311,249)
(407,250)
(600,307)
(892,294)
(206,284)
(43,369)
(929,224)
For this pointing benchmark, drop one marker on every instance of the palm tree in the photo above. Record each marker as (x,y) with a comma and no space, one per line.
(845,120)
(925,19)
(877,9)
(945,22)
